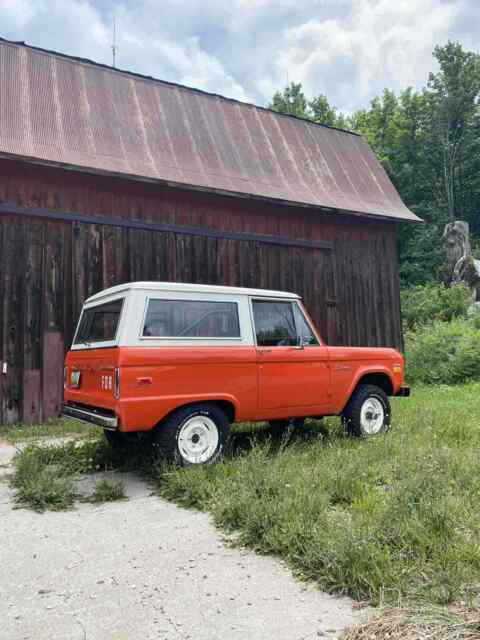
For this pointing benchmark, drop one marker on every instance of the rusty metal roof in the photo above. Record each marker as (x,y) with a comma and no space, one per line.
(71,112)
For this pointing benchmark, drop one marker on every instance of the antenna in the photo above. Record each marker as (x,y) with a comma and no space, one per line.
(114,43)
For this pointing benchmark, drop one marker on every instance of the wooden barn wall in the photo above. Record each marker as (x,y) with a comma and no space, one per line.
(48,268)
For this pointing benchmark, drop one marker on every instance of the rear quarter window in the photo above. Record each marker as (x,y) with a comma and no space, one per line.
(191,319)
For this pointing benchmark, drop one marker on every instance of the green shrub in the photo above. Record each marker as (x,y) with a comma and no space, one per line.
(444,352)
(428,303)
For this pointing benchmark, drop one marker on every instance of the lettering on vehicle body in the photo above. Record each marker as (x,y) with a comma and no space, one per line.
(106,383)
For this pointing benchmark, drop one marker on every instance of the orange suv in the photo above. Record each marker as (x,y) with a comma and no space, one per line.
(184,361)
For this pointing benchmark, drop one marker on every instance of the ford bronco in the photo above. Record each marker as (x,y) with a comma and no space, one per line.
(184,361)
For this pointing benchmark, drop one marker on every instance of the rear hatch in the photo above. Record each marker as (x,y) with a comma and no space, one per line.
(92,378)
(91,366)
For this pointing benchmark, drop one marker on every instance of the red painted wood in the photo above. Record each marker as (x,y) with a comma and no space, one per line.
(52,373)
(32,396)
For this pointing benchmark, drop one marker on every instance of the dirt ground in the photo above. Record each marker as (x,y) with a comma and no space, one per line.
(144,569)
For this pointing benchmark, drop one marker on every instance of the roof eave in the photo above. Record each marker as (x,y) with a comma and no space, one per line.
(386,217)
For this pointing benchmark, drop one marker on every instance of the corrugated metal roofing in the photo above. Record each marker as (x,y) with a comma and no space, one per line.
(62,110)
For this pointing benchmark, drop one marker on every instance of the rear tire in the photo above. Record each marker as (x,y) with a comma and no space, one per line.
(196,434)
(115,439)
(368,412)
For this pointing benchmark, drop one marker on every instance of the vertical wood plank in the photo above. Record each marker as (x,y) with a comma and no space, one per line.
(52,373)
(13,307)
(32,321)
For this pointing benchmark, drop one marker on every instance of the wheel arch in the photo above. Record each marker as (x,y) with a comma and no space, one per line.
(227,406)
(377,377)
(380,379)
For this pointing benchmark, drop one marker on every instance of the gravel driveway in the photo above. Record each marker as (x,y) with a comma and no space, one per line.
(144,569)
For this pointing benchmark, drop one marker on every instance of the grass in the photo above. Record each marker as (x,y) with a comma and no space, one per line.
(55,428)
(107,491)
(45,476)
(419,623)
(390,519)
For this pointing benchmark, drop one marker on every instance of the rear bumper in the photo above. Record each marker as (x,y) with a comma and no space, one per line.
(92,417)
(403,392)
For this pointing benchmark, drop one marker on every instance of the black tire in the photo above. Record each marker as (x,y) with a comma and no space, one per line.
(167,434)
(352,414)
(285,424)
(115,439)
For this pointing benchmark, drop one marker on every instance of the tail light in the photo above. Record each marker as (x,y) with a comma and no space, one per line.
(116,383)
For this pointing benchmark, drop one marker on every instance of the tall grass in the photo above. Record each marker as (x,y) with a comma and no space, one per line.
(395,516)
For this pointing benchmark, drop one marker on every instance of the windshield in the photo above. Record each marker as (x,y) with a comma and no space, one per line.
(100,323)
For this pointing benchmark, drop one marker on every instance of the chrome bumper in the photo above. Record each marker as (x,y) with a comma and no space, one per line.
(91,417)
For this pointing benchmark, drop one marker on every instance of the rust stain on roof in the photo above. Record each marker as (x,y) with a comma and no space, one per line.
(68,111)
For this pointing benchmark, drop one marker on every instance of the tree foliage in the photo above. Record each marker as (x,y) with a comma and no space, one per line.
(428,141)
(292,100)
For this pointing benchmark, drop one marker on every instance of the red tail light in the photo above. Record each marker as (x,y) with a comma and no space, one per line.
(116,383)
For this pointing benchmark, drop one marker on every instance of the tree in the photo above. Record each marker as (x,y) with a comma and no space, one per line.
(291,100)
(322,112)
(454,92)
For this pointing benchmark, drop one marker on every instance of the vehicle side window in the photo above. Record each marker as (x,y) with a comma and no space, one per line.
(191,319)
(305,333)
(274,323)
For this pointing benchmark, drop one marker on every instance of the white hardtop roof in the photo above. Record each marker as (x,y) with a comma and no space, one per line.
(185,287)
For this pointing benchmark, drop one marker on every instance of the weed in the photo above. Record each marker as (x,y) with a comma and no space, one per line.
(45,475)
(41,480)
(107,491)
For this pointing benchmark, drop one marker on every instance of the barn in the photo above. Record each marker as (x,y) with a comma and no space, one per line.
(107,177)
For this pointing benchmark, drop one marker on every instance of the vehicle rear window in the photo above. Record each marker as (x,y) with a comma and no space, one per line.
(100,323)
(274,323)
(191,319)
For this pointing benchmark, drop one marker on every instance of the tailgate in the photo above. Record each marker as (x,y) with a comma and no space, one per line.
(91,377)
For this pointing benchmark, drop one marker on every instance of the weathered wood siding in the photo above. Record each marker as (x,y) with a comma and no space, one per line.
(48,267)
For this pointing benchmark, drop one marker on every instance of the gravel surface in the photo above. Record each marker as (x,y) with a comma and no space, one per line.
(144,569)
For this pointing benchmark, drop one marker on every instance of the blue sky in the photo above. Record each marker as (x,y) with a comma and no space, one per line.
(246,49)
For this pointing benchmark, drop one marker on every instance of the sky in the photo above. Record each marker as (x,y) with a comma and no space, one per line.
(348,50)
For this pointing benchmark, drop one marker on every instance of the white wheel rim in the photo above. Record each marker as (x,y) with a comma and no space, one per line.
(198,439)
(372,416)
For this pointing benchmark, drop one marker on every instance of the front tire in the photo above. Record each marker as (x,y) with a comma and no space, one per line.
(368,412)
(196,434)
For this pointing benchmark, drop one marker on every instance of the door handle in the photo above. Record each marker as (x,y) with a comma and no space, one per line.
(261,352)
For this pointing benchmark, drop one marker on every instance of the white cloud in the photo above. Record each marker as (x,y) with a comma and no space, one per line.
(379,44)
(246,49)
